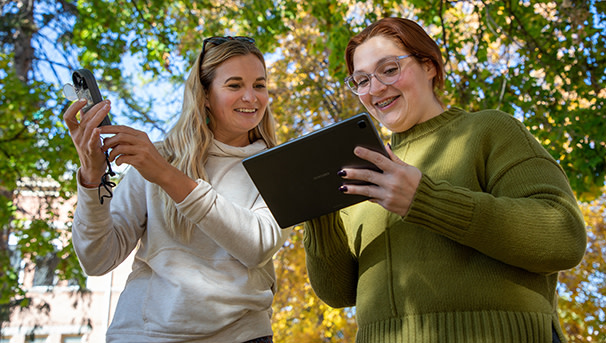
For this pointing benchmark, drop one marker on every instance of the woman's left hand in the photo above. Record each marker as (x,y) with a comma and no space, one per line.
(134,147)
(394,189)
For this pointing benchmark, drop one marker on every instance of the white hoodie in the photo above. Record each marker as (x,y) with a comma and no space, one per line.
(217,288)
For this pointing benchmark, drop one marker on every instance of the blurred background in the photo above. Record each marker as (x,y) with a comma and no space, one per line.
(542,61)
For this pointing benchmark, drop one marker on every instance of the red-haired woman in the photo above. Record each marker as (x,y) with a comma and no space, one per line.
(467,226)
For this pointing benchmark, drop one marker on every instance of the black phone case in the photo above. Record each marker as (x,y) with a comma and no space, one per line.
(86,87)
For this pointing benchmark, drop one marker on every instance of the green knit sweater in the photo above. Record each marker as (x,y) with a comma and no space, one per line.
(476,258)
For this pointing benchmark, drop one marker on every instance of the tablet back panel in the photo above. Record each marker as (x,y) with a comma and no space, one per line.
(298,179)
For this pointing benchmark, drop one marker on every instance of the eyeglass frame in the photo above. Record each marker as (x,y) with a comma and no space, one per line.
(348,79)
(218,40)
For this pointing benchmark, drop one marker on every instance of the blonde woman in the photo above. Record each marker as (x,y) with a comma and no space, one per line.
(203,271)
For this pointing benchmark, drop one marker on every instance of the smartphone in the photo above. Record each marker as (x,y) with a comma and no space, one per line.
(86,88)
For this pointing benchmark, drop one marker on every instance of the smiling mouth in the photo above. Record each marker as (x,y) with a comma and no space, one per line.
(246,110)
(386,102)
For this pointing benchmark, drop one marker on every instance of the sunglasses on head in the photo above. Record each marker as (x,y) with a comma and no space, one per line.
(218,40)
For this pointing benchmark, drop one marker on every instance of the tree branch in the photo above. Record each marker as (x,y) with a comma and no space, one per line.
(444,33)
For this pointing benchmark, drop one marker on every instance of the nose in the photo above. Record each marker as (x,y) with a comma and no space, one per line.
(249,95)
(376,86)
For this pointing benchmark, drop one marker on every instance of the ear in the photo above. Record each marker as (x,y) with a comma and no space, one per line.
(206,100)
(430,69)
(207,108)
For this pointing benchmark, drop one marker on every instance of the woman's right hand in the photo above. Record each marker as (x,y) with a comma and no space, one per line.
(394,188)
(87,139)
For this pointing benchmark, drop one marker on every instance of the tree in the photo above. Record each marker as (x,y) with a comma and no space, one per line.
(543,61)
(299,315)
(530,59)
(32,141)
(583,289)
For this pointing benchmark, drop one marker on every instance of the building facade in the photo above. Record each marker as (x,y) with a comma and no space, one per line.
(58,311)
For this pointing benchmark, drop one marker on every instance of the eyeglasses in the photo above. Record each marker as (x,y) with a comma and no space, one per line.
(222,39)
(387,73)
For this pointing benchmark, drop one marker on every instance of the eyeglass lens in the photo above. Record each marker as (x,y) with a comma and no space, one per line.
(386,73)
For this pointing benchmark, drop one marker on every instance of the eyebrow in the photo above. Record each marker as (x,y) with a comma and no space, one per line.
(239,78)
(376,64)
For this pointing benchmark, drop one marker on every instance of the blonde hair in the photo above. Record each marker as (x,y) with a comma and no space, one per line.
(187,143)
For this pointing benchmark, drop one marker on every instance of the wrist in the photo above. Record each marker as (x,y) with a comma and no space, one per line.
(88,185)
(177,184)
(87,182)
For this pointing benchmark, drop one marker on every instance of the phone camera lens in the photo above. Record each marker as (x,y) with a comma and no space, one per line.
(362,124)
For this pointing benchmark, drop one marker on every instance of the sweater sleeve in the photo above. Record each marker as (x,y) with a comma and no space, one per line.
(331,266)
(526,217)
(250,235)
(103,237)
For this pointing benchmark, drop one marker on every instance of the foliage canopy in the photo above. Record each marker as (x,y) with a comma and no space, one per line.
(542,61)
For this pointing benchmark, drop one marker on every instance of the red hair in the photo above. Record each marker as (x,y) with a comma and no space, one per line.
(406,34)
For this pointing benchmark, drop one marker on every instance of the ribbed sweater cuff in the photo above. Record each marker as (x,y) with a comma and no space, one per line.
(441,208)
(324,236)
(485,326)
(90,210)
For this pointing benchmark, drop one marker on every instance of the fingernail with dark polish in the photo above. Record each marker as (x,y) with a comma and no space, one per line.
(343,188)
(341,172)
(389,145)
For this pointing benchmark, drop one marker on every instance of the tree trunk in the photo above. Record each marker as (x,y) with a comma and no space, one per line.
(24,31)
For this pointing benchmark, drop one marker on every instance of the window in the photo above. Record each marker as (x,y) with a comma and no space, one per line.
(45,270)
(15,256)
(16,262)
(71,339)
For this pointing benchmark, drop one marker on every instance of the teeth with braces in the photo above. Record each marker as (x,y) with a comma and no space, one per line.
(386,102)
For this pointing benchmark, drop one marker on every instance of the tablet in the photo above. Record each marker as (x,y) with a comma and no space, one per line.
(298,179)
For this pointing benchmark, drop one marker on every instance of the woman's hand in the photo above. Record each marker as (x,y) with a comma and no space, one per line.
(134,147)
(87,139)
(393,189)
